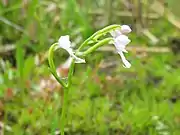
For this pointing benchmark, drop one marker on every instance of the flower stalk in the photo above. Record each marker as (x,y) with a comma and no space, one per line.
(52,66)
(64,85)
(64,110)
(96,46)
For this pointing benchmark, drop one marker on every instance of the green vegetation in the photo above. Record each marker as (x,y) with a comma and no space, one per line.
(106,98)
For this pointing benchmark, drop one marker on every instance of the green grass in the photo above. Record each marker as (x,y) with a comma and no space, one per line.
(103,101)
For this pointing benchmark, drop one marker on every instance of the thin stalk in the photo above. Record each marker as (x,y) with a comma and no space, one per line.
(96,46)
(65,98)
(51,55)
(70,74)
(64,110)
(51,64)
(98,34)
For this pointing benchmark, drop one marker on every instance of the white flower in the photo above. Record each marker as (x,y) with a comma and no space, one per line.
(65,43)
(120,42)
(115,33)
(125,29)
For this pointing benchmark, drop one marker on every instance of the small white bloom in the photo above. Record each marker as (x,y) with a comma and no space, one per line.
(65,43)
(120,43)
(125,29)
(115,33)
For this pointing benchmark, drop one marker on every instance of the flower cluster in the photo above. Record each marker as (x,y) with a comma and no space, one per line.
(120,42)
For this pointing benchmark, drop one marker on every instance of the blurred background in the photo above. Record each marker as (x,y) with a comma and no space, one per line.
(105,99)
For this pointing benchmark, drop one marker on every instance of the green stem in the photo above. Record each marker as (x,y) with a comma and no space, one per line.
(70,73)
(64,110)
(96,46)
(65,99)
(65,86)
(51,64)
(51,55)
(98,34)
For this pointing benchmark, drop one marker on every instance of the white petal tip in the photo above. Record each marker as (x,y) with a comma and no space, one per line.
(127,66)
(124,50)
(64,42)
(77,59)
(80,61)
(125,62)
(125,29)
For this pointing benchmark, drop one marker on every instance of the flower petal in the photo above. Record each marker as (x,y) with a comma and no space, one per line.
(64,42)
(122,40)
(77,59)
(126,63)
(124,50)
(125,29)
(115,33)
